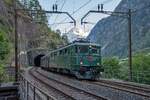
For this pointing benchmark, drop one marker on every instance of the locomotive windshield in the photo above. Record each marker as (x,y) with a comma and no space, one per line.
(83,49)
(94,49)
(86,49)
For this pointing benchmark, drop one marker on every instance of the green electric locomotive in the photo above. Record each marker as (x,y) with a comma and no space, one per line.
(82,59)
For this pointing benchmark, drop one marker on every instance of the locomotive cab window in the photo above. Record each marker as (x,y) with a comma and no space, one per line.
(83,49)
(94,50)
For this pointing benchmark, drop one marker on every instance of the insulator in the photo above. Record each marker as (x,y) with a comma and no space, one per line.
(56,7)
(102,7)
(98,7)
(53,8)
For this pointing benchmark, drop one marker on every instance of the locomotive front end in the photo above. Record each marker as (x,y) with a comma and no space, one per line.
(89,60)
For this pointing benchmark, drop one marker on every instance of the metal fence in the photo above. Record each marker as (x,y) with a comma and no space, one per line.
(28,91)
(141,77)
(7,75)
(137,76)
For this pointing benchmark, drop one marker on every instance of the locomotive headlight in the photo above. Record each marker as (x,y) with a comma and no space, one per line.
(81,63)
(101,73)
(97,63)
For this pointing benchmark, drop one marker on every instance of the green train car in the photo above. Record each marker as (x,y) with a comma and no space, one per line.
(82,59)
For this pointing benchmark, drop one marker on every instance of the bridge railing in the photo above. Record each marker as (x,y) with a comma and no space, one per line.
(28,91)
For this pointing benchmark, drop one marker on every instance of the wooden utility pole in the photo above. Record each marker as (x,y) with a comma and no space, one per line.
(16,41)
(130,45)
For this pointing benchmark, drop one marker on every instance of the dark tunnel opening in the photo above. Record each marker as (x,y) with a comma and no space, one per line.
(37,60)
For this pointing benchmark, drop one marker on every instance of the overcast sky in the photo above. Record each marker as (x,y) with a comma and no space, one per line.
(71,6)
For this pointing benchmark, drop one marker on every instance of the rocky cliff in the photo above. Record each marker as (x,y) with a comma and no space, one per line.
(112,32)
(30,34)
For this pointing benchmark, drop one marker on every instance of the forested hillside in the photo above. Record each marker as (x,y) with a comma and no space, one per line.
(33,31)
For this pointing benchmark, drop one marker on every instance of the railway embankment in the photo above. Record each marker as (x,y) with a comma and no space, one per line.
(108,89)
(63,87)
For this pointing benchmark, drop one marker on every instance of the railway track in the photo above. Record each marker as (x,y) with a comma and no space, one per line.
(64,95)
(72,92)
(27,78)
(131,88)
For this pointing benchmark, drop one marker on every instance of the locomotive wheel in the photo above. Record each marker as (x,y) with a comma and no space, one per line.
(66,71)
(78,75)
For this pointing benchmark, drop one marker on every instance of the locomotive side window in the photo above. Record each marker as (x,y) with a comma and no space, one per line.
(65,51)
(52,55)
(76,49)
(55,54)
(69,50)
(60,52)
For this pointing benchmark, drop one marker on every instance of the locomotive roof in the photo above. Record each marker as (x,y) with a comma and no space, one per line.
(72,44)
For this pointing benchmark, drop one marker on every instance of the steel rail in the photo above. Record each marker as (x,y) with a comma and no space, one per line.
(39,89)
(121,88)
(48,85)
(145,89)
(75,88)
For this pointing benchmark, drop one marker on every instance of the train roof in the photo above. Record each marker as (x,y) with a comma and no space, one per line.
(73,44)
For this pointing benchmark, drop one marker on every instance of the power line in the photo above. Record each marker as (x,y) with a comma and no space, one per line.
(62,5)
(81,7)
(104,2)
(58,23)
(60,10)
(77,9)
(140,9)
(56,1)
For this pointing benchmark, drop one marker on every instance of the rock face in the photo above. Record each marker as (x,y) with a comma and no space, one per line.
(112,32)
(30,34)
(27,30)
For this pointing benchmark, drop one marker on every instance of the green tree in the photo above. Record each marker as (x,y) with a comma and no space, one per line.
(37,15)
(111,67)
(1,72)
(65,38)
(141,68)
(115,68)
(4,50)
(4,45)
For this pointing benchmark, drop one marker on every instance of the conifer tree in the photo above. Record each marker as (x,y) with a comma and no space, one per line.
(37,14)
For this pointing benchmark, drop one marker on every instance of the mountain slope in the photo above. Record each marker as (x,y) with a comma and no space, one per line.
(74,34)
(112,32)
